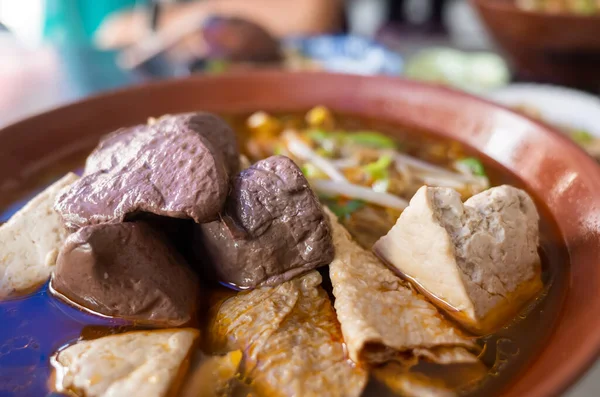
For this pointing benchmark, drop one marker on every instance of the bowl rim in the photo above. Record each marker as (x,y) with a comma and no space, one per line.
(565,376)
(509,6)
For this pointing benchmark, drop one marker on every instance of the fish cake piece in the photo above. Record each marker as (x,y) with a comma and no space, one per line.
(141,363)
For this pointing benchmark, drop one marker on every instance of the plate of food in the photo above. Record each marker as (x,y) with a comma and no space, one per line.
(305,234)
(573,112)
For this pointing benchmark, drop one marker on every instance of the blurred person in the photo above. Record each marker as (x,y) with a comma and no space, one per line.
(279,17)
(74,22)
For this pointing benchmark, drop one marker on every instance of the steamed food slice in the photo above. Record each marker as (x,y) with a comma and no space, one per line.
(291,340)
(126,270)
(382,318)
(273,228)
(178,167)
(30,240)
(143,363)
(478,261)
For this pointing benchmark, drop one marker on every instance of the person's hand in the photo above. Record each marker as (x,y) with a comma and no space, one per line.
(279,17)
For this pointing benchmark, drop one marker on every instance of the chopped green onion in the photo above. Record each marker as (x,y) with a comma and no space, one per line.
(312,172)
(344,210)
(474,165)
(365,138)
(318,135)
(582,137)
(378,169)
(372,139)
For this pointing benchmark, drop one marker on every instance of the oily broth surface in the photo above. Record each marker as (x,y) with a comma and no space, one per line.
(35,326)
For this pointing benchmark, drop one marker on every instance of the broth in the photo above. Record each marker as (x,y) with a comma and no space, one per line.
(35,326)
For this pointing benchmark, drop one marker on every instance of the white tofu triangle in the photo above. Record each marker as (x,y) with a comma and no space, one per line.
(30,240)
(382,318)
(478,261)
(141,363)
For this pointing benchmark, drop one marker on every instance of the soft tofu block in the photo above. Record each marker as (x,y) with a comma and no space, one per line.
(30,240)
(478,261)
(143,363)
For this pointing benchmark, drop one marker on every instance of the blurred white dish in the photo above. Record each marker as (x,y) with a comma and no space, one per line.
(556,105)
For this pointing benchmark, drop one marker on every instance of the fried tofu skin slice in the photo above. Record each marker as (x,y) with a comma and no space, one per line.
(291,340)
(382,318)
(141,363)
(478,261)
(30,240)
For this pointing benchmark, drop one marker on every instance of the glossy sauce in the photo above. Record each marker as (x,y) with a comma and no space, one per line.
(35,326)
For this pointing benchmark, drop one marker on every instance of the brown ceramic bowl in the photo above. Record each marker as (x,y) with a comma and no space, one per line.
(557,48)
(553,168)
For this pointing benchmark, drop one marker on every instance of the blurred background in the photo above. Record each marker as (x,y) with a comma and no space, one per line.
(541,57)
(56,51)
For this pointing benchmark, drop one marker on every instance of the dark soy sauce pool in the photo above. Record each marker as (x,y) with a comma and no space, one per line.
(33,327)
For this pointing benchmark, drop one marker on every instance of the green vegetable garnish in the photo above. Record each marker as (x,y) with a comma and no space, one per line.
(343,210)
(318,135)
(474,165)
(372,139)
(327,141)
(378,169)
(582,137)
(312,172)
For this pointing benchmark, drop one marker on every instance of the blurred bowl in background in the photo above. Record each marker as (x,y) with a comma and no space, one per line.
(344,54)
(475,72)
(556,105)
(560,48)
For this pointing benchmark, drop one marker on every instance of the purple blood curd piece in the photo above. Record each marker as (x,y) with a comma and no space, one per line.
(178,167)
(274,228)
(126,270)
